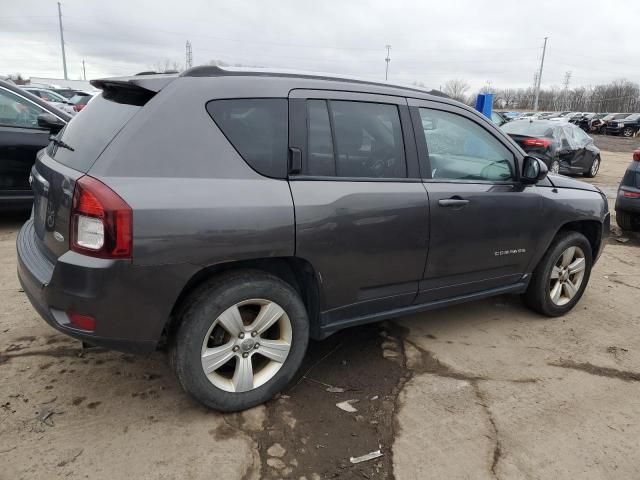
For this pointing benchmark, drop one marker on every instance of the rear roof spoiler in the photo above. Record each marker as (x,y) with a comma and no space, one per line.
(151,83)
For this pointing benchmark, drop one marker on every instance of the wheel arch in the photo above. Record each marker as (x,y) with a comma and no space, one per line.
(295,271)
(591,229)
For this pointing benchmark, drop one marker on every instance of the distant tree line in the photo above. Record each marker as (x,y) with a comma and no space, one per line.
(617,96)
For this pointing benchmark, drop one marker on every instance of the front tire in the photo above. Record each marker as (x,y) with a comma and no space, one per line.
(559,280)
(627,132)
(241,340)
(554,167)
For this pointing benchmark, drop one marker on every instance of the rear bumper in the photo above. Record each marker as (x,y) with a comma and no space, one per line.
(131,305)
(631,205)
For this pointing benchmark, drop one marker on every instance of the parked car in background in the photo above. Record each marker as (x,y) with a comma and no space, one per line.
(329,203)
(26,122)
(583,121)
(80,101)
(69,92)
(614,117)
(596,122)
(564,147)
(499,118)
(52,98)
(627,126)
(628,199)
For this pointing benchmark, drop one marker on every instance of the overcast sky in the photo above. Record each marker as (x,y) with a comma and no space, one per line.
(497,41)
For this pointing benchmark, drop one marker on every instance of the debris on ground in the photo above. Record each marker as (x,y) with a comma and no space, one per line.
(347,405)
(622,239)
(368,456)
(45,417)
(71,457)
(335,390)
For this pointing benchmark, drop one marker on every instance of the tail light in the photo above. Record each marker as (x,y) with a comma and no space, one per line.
(627,194)
(636,155)
(77,108)
(536,142)
(101,221)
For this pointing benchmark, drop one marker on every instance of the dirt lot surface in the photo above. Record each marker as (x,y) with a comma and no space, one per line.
(482,390)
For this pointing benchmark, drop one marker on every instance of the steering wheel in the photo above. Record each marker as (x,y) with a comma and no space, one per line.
(378,163)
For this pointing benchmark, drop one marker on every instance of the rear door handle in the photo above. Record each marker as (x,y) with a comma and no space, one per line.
(453,202)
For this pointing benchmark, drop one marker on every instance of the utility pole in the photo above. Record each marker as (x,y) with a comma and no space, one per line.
(567,79)
(544,50)
(388,59)
(84,71)
(188,63)
(64,58)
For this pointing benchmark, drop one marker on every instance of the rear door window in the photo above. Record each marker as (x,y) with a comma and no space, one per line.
(90,133)
(258,130)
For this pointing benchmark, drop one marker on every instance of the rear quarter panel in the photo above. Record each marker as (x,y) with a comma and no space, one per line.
(194,199)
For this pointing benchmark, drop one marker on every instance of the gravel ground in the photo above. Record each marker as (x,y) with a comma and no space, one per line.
(483,390)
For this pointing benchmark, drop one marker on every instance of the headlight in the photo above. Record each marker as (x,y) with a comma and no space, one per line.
(621,125)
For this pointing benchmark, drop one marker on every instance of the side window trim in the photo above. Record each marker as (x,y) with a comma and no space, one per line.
(334,144)
(298,131)
(423,151)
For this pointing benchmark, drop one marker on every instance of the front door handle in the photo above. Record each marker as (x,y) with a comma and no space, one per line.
(453,202)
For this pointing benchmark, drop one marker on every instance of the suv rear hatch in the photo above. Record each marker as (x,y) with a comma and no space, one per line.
(75,149)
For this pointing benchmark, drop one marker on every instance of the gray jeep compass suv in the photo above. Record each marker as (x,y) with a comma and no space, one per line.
(235,214)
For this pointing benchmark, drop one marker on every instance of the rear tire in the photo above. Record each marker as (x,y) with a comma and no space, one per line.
(625,220)
(221,332)
(554,167)
(569,257)
(594,168)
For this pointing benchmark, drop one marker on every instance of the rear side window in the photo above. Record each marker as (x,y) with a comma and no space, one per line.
(258,130)
(355,140)
(89,132)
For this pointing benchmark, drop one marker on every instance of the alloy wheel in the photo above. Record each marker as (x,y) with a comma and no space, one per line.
(555,167)
(567,275)
(246,345)
(595,166)
(627,132)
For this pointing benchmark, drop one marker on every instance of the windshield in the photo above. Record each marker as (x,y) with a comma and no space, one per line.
(89,134)
(531,129)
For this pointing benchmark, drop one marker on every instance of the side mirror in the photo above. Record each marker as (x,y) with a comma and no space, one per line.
(533,170)
(50,122)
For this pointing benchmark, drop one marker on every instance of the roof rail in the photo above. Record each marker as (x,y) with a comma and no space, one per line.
(215,71)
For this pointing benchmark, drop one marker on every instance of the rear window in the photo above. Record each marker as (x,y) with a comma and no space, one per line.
(89,132)
(531,129)
(258,130)
(80,99)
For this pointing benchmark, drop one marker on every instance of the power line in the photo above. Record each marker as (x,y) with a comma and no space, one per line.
(388,59)
(189,56)
(544,50)
(64,58)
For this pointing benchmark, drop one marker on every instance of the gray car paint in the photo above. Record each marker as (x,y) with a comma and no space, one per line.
(374,251)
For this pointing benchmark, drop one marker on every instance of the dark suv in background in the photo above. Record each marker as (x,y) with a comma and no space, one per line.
(234,214)
(627,127)
(26,122)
